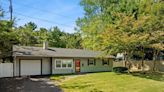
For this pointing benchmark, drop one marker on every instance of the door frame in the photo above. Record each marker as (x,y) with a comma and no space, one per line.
(79,66)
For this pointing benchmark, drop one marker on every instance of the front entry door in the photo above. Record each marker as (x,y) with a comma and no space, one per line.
(77,66)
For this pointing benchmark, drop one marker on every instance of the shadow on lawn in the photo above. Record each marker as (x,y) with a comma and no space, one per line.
(77,85)
(153,76)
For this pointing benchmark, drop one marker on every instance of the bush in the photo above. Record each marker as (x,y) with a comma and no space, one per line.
(120,69)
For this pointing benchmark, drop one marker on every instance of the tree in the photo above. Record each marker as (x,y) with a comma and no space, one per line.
(73,40)
(56,38)
(61,39)
(120,25)
(7,38)
(41,35)
(26,34)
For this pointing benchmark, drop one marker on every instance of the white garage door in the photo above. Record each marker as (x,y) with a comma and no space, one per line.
(30,67)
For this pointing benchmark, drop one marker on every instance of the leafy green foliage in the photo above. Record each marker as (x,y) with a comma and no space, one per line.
(26,34)
(29,35)
(7,38)
(61,39)
(56,38)
(121,25)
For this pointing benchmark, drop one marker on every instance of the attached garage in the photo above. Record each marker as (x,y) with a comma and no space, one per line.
(30,67)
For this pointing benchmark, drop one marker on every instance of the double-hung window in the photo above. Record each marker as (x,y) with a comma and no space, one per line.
(105,62)
(64,63)
(91,62)
(58,63)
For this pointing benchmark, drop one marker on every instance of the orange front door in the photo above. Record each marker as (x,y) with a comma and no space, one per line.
(77,66)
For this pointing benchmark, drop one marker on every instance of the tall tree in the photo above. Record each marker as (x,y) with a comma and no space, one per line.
(42,35)
(56,38)
(121,25)
(73,40)
(7,38)
(26,34)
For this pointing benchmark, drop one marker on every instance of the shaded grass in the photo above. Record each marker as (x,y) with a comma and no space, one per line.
(112,82)
(153,76)
(57,77)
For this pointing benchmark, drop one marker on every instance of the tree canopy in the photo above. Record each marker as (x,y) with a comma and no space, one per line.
(121,25)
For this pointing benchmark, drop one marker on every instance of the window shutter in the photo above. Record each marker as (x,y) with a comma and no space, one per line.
(102,61)
(94,61)
(108,61)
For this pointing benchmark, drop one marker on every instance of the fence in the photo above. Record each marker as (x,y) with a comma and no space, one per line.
(6,70)
(137,65)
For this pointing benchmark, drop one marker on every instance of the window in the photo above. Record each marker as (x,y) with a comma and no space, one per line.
(91,62)
(69,64)
(64,63)
(105,62)
(58,63)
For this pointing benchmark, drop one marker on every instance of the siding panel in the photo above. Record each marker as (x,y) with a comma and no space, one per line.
(46,66)
(98,67)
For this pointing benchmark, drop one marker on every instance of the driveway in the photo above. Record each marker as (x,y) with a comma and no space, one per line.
(28,85)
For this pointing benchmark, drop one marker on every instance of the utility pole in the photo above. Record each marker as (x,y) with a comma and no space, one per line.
(11,10)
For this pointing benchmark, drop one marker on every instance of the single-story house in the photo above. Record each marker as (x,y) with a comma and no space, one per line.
(44,60)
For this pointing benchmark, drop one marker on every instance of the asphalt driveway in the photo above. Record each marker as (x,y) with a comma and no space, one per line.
(28,85)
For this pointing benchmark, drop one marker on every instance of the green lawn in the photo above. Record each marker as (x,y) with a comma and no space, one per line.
(112,82)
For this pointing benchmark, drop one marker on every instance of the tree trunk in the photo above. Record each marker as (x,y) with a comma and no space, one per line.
(127,63)
(142,61)
(125,59)
(154,61)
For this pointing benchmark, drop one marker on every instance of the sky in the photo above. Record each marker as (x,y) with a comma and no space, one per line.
(45,13)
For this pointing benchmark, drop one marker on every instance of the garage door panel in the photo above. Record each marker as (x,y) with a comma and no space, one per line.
(30,67)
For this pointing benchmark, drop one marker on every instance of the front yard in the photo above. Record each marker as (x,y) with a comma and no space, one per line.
(112,82)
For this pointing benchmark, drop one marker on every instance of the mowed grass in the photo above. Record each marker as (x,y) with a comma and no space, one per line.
(112,82)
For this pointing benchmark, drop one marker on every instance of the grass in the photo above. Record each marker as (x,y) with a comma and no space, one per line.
(58,77)
(112,82)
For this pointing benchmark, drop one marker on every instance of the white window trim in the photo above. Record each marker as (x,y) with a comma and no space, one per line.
(61,64)
(107,62)
(93,62)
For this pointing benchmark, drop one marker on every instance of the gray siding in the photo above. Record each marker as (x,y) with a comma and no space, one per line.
(46,67)
(95,68)
(62,71)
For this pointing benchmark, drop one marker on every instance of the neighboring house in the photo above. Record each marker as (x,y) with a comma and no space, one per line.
(30,60)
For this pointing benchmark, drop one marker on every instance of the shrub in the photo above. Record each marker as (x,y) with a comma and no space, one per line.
(120,69)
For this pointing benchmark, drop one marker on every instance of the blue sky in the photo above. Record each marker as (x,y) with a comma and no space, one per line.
(46,13)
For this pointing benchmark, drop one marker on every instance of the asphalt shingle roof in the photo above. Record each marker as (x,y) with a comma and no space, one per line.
(55,52)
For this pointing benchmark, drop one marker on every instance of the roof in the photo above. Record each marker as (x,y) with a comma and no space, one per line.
(55,52)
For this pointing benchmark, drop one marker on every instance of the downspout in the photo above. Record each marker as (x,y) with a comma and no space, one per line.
(14,65)
(51,68)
